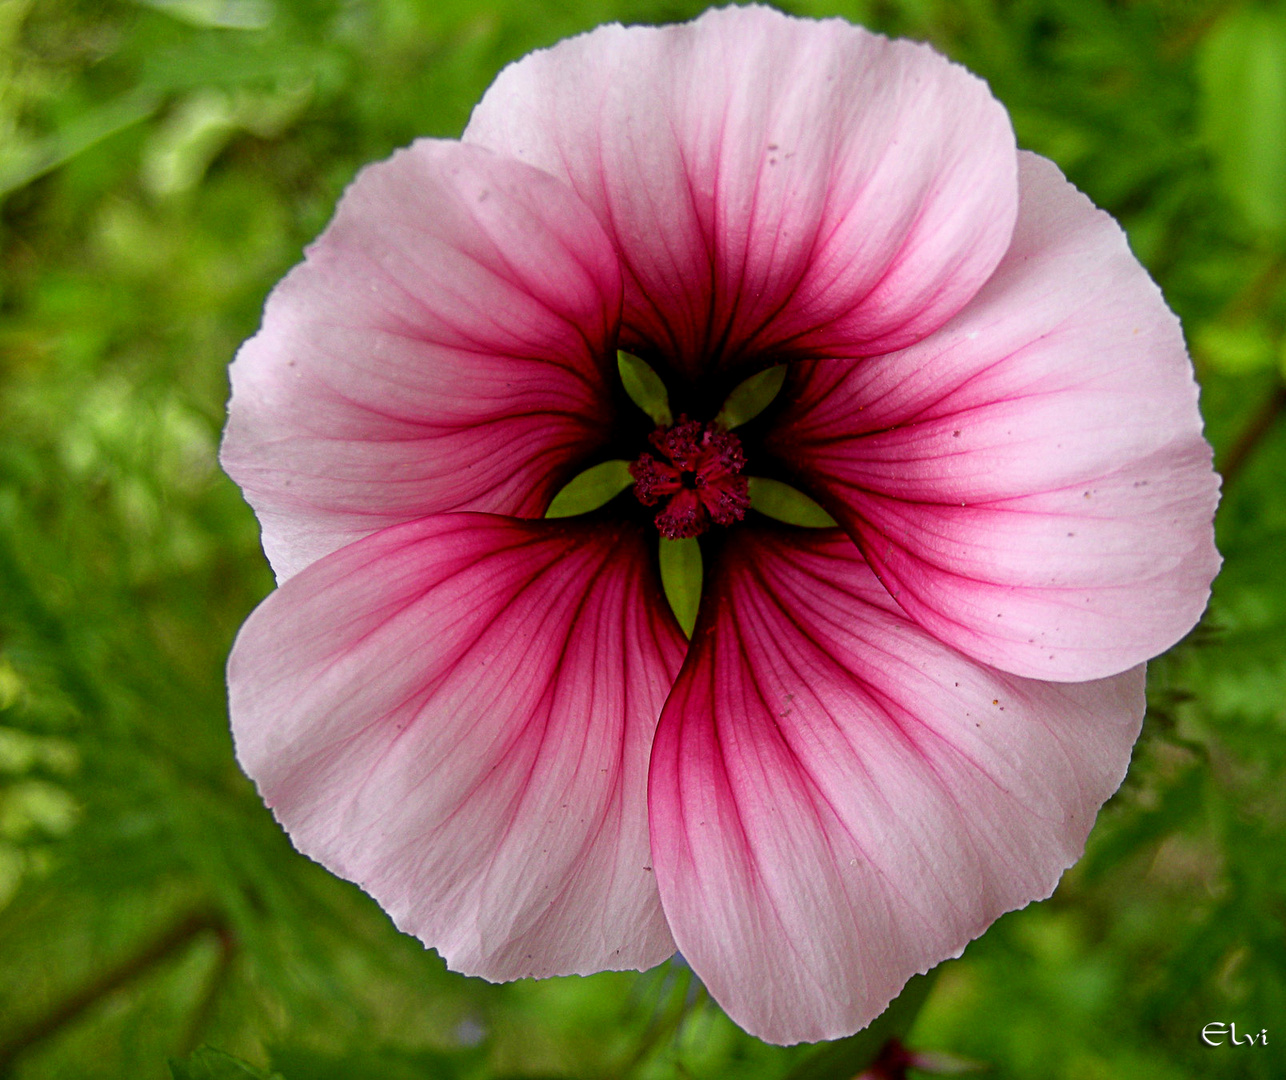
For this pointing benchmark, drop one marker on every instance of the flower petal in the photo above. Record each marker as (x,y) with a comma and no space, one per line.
(839,801)
(1031,483)
(446,345)
(456,714)
(775,187)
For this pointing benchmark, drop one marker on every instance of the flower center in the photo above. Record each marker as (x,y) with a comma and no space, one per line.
(695,475)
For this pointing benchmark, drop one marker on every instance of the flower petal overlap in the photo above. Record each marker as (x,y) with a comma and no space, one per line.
(845,199)
(458,302)
(882,735)
(837,797)
(457,714)
(1030,482)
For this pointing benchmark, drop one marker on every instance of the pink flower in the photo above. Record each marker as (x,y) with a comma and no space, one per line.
(881,736)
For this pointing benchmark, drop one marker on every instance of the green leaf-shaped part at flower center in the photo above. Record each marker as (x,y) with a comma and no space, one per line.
(751,397)
(681,574)
(595,487)
(645,388)
(782,502)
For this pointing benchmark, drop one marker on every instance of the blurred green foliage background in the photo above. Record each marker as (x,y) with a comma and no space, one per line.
(162,163)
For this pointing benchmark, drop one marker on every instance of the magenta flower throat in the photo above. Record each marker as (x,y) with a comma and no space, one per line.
(776,307)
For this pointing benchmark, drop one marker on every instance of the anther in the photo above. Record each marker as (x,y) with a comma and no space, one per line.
(695,473)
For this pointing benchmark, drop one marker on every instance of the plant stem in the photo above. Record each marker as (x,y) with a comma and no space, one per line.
(214,987)
(79,1001)
(1260,425)
(845,1058)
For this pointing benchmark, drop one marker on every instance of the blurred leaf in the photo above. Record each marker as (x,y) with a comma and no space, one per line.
(206,1063)
(845,1058)
(223,14)
(1236,349)
(1242,72)
(22,162)
(385,1063)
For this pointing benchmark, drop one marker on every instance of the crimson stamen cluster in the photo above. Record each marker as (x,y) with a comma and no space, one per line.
(698,476)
